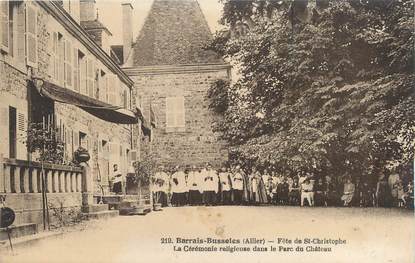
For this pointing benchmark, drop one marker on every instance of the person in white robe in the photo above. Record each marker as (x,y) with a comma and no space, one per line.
(237,185)
(194,184)
(160,186)
(226,186)
(211,185)
(179,187)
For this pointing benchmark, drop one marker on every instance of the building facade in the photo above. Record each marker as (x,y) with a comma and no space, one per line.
(65,46)
(172,73)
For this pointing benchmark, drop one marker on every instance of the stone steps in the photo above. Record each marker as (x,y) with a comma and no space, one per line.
(131,207)
(17,231)
(95,208)
(101,215)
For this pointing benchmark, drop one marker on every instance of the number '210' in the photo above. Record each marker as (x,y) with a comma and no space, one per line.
(166,240)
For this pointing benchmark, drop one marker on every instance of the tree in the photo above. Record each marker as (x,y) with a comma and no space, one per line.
(325,86)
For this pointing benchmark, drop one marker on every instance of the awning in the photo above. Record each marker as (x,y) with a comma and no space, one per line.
(95,107)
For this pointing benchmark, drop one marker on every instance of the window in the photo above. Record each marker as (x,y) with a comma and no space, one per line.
(12,16)
(175,112)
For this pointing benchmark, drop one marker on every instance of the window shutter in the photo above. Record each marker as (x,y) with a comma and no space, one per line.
(31,34)
(170,120)
(114,149)
(55,56)
(125,97)
(175,113)
(4,24)
(75,70)
(21,23)
(21,135)
(75,137)
(61,60)
(51,63)
(82,74)
(133,156)
(180,118)
(102,87)
(112,96)
(100,146)
(68,64)
(90,77)
(4,126)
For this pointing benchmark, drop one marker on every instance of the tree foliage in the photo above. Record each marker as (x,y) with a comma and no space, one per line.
(324,86)
(46,143)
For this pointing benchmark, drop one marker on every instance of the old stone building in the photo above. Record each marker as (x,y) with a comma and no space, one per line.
(56,68)
(172,73)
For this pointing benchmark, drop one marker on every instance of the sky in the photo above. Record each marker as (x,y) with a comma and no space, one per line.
(110,15)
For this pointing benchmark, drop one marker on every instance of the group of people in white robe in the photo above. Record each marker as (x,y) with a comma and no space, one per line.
(206,186)
(233,186)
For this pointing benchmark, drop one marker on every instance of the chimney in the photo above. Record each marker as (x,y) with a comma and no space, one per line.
(87,10)
(127,31)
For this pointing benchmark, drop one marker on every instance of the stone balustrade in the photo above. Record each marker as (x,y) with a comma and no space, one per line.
(17,176)
(21,182)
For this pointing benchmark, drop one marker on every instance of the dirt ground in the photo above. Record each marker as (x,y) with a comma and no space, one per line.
(366,235)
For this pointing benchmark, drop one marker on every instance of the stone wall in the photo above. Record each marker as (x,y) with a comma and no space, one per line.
(197,143)
(28,206)
(75,120)
(14,90)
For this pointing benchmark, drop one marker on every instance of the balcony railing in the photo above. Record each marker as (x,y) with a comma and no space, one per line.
(17,176)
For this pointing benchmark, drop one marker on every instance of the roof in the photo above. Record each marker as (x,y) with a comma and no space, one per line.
(117,53)
(94,24)
(174,33)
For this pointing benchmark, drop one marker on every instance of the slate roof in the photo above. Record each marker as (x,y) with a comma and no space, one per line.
(174,33)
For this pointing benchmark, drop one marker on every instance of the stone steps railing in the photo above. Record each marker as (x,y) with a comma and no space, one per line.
(17,176)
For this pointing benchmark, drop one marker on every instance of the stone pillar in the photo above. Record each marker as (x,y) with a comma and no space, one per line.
(49,181)
(78,182)
(87,185)
(62,182)
(7,183)
(55,181)
(35,173)
(2,174)
(67,182)
(26,184)
(73,182)
(16,176)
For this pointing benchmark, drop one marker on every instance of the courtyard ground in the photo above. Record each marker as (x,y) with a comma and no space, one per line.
(371,235)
